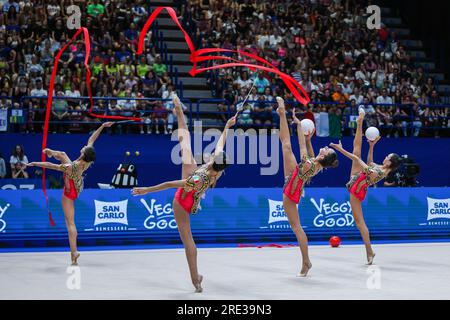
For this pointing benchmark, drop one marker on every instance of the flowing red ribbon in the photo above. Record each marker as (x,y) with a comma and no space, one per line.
(198,56)
(87,44)
(195,57)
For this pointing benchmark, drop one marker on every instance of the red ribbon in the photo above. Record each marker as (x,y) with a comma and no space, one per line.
(196,56)
(87,44)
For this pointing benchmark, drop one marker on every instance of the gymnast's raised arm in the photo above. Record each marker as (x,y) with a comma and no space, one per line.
(349,155)
(223,138)
(371,147)
(97,132)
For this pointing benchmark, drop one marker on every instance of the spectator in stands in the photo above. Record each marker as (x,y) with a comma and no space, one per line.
(60,113)
(96,10)
(243,81)
(2,167)
(261,83)
(142,68)
(384,98)
(262,112)
(324,45)
(128,109)
(159,118)
(245,116)
(159,67)
(416,113)
(73,92)
(5,103)
(18,162)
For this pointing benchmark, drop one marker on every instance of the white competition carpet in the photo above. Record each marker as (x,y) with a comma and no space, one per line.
(401,271)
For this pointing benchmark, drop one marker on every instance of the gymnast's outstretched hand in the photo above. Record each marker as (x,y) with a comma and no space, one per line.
(232,121)
(374,142)
(107,124)
(139,191)
(337,146)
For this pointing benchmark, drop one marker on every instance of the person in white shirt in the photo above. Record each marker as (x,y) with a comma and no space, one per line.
(53,9)
(356,96)
(243,81)
(275,39)
(263,39)
(73,93)
(18,162)
(39,91)
(128,106)
(384,98)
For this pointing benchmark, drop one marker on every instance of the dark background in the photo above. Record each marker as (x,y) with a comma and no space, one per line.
(429,21)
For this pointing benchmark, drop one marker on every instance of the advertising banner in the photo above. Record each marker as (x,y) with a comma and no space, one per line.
(228,214)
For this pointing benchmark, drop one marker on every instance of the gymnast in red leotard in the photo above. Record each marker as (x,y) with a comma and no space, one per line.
(297,175)
(73,182)
(362,176)
(195,180)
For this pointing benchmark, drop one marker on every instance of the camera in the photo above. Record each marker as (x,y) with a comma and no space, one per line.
(406,174)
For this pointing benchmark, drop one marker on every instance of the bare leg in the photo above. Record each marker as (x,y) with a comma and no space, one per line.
(184,228)
(289,161)
(69,215)
(357,144)
(189,163)
(291,211)
(361,224)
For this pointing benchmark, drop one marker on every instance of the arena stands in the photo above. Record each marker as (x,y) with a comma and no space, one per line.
(324,44)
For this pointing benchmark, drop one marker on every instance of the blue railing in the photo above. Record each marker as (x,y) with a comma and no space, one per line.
(166,58)
(198,112)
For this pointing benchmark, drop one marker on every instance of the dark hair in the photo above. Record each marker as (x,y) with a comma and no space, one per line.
(330,160)
(220,161)
(395,162)
(89,154)
(18,155)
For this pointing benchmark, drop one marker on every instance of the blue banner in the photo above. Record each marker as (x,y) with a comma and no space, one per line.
(226,215)
(20,184)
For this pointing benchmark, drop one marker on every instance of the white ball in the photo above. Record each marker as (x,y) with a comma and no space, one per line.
(307,126)
(372,133)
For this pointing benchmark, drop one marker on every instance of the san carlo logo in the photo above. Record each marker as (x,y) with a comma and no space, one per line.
(438,212)
(160,216)
(277,216)
(110,216)
(332,215)
(2,221)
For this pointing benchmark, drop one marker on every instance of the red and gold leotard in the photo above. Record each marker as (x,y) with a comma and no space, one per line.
(295,182)
(360,182)
(73,181)
(189,196)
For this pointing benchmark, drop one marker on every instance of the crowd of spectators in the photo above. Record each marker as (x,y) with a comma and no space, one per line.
(326,46)
(32,32)
(323,44)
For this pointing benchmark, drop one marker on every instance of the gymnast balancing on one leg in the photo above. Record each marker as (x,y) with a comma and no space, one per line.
(297,175)
(195,180)
(362,176)
(73,182)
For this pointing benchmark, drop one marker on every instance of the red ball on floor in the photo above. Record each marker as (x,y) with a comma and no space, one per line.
(335,241)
